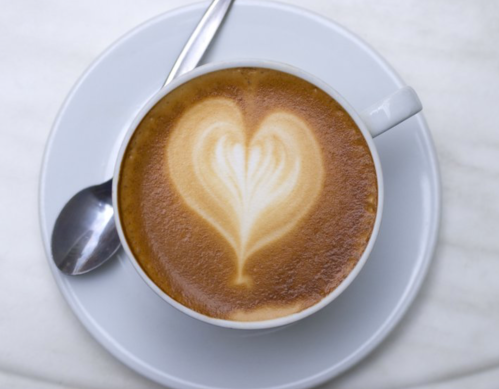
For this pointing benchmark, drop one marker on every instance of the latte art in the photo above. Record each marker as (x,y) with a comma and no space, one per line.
(252,188)
(247,194)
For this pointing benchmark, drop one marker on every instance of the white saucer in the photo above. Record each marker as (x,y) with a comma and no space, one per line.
(158,341)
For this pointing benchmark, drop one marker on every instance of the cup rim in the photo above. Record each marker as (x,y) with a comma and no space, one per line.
(265,64)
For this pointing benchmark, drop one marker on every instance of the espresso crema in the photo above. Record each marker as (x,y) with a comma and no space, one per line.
(247,194)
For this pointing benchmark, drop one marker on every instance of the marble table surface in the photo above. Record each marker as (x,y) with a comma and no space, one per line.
(447,50)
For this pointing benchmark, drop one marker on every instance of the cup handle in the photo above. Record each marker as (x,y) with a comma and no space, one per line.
(392,110)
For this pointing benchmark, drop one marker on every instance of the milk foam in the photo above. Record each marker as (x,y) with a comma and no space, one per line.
(252,190)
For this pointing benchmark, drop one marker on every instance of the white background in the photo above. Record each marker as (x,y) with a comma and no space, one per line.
(448,50)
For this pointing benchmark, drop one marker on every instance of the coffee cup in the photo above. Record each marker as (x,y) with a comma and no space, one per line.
(371,122)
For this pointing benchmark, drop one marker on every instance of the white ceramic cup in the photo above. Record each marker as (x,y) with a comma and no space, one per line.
(373,121)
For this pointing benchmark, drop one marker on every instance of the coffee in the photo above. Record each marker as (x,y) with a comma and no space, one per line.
(247,194)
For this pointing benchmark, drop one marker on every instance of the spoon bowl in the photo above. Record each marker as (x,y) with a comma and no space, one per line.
(84,234)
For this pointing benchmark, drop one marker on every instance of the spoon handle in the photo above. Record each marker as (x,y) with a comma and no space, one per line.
(200,39)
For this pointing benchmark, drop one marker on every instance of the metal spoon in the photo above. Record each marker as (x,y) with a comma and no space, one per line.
(84,235)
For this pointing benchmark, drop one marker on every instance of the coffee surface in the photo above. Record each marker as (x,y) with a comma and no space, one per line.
(247,194)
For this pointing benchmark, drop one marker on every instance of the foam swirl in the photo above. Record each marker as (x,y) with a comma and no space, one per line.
(252,189)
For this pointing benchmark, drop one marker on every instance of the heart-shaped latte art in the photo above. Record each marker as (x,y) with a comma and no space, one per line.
(253,189)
